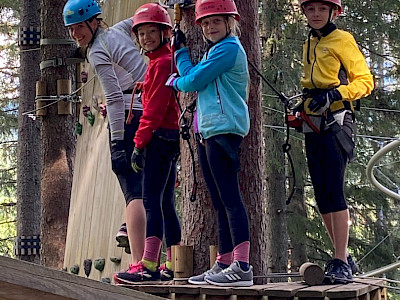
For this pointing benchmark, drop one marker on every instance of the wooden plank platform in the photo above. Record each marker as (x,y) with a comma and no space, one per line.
(21,280)
(363,289)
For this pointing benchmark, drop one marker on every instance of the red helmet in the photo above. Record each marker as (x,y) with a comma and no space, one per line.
(151,13)
(206,8)
(336,2)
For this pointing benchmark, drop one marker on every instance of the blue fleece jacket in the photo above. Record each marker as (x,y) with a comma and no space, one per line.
(221,80)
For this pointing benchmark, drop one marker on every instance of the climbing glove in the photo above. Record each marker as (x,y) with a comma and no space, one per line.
(179,39)
(137,160)
(321,101)
(119,162)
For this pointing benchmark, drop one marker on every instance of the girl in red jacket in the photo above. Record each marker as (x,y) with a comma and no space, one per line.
(156,145)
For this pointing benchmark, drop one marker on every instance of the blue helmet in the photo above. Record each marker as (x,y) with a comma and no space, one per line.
(76,11)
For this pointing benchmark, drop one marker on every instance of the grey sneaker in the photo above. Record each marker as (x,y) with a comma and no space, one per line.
(199,279)
(232,276)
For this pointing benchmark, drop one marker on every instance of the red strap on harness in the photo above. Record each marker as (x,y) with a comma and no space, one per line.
(306,119)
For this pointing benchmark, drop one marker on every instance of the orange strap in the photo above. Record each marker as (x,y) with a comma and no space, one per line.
(130,115)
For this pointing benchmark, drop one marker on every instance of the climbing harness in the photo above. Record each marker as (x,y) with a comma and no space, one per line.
(287,103)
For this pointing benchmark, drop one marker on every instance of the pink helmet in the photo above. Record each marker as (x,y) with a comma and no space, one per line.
(206,8)
(336,2)
(151,13)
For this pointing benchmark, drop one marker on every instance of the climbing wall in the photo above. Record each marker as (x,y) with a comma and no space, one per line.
(97,203)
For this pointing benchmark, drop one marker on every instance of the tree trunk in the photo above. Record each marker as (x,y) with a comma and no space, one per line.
(277,237)
(277,244)
(58,143)
(252,156)
(199,223)
(28,168)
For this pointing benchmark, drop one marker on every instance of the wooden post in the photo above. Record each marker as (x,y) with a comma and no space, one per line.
(213,254)
(41,90)
(183,261)
(79,82)
(64,88)
(312,273)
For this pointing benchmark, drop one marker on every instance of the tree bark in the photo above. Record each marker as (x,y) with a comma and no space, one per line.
(199,224)
(28,167)
(276,232)
(58,143)
(252,156)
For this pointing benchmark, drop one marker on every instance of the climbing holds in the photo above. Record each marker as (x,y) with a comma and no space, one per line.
(115,260)
(84,76)
(106,280)
(99,264)
(128,250)
(85,110)
(87,266)
(74,269)
(78,128)
(91,118)
(88,114)
(103,110)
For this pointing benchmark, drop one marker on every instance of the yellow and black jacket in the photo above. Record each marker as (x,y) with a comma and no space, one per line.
(334,61)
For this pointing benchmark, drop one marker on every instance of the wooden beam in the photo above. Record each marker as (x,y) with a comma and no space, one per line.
(21,280)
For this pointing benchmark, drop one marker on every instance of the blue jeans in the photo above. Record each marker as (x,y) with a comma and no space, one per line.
(159,186)
(220,163)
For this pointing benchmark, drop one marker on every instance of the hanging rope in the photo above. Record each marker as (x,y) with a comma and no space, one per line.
(286,145)
(185,124)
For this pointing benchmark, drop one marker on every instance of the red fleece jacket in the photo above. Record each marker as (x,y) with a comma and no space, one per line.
(160,108)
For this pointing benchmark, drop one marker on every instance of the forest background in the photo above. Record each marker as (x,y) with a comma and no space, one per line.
(374,238)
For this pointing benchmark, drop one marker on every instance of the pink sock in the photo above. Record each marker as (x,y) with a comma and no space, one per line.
(241,252)
(225,258)
(152,248)
(169,254)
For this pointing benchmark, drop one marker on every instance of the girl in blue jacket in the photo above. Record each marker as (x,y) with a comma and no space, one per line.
(221,80)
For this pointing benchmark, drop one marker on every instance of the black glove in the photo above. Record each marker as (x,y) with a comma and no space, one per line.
(137,160)
(119,162)
(321,101)
(179,39)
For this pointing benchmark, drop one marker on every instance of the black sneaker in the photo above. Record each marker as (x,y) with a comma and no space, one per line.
(166,274)
(353,266)
(136,274)
(337,272)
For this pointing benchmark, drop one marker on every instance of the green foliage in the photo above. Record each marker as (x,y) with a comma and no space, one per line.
(9,65)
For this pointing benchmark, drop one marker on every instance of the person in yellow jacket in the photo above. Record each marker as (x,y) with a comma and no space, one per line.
(335,77)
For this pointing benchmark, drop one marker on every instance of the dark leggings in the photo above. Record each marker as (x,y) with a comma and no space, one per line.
(130,183)
(219,160)
(159,189)
(327,165)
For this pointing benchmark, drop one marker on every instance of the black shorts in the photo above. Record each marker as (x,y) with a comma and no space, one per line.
(327,165)
(131,183)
